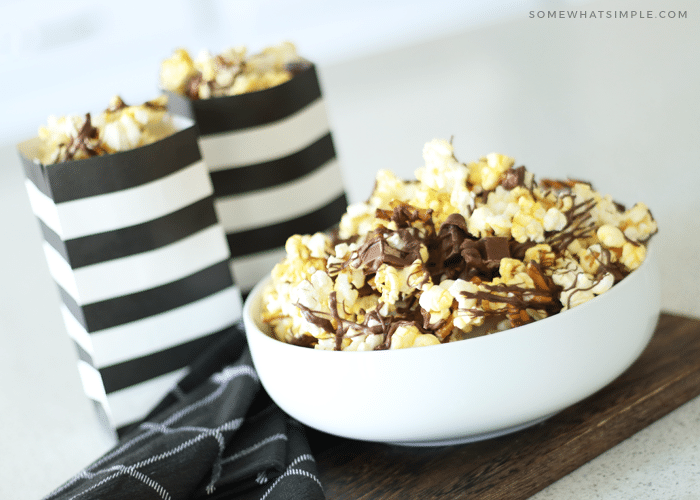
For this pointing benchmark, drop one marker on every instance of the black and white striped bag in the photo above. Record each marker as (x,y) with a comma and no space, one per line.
(273,166)
(141,262)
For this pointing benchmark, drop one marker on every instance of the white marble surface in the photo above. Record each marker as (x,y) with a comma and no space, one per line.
(614,101)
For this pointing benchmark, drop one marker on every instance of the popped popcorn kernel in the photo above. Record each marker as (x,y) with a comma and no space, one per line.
(637,223)
(442,172)
(314,292)
(176,71)
(510,270)
(593,257)
(633,255)
(410,336)
(554,220)
(487,172)
(610,236)
(436,301)
(346,294)
(542,254)
(388,187)
(465,250)
(464,292)
(396,284)
(528,222)
(233,72)
(357,219)
(365,342)
(389,284)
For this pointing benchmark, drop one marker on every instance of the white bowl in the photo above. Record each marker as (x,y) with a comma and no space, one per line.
(463,391)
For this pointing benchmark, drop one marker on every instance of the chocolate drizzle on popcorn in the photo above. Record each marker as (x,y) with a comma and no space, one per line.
(231,72)
(465,250)
(119,128)
(85,143)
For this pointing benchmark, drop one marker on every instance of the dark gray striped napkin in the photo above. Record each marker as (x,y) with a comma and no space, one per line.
(216,435)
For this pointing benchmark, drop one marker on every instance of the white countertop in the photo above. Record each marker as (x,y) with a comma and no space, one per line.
(613,101)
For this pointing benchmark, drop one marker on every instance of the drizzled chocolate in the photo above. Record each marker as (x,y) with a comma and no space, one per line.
(455,254)
(578,225)
(380,325)
(86,142)
(429,273)
(517,300)
(118,128)
(231,72)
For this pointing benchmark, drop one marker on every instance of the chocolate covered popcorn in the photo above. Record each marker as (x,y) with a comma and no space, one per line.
(231,72)
(462,251)
(119,128)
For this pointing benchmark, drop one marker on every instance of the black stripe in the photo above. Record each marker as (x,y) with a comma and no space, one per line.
(128,427)
(72,306)
(139,305)
(102,247)
(54,240)
(115,172)
(275,235)
(134,371)
(239,180)
(252,109)
(125,309)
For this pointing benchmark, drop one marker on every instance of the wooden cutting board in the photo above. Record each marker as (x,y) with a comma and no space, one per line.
(517,466)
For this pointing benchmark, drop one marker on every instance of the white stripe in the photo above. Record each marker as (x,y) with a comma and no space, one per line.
(247,451)
(143,271)
(134,403)
(107,212)
(148,481)
(162,331)
(280,203)
(77,332)
(43,207)
(249,269)
(92,385)
(61,271)
(291,471)
(266,142)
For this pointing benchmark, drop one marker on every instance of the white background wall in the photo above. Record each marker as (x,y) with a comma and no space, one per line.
(71,56)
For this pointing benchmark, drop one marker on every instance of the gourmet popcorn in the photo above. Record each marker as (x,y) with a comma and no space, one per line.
(462,251)
(232,72)
(119,128)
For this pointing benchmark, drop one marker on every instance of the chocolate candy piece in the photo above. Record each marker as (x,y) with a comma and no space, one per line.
(496,248)
(513,178)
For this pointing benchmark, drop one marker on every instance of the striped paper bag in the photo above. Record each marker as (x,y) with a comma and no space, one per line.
(141,263)
(273,165)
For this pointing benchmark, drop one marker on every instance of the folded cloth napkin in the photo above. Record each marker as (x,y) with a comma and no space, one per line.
(217,435)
